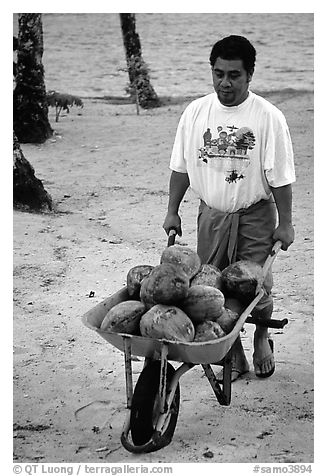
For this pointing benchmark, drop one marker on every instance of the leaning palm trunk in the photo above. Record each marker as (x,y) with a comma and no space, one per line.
(138,73)
(28,191)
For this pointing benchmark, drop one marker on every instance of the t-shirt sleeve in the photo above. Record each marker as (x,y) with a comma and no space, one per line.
(279,157)
(177,159)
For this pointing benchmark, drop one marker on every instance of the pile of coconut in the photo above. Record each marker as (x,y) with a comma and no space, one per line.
(182,299)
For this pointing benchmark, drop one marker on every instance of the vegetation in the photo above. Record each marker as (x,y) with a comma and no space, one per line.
(62,102)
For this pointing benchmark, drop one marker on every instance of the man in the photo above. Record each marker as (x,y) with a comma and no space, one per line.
(241,180)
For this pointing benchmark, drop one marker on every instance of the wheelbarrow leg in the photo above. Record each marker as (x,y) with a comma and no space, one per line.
(128,371)
(163,379)
(223,392)
(227,376)
(129,385)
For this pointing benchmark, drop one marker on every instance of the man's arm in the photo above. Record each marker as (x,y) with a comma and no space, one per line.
(284,231)
(178,185)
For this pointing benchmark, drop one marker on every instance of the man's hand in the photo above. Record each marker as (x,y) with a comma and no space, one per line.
(178,184)
(284,233)
(172,220)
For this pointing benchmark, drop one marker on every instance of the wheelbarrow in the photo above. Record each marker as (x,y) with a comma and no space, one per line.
(153,405)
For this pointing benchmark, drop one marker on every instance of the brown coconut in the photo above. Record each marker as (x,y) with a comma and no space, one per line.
(134,278)
(208,330)
(240,280)
(167,322)
(183,256)
(124,317)
(203,303)
(227,320)
(209,275)
(166,284)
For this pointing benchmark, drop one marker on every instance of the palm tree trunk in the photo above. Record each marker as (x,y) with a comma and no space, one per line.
(137,69)
(28,190)
(31,122)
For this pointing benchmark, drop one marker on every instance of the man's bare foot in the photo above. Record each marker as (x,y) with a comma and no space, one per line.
(263,356)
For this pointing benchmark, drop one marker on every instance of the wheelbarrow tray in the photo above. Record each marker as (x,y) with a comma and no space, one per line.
(209,352)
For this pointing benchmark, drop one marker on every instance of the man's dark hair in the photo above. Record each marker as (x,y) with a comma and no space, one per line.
(234,47)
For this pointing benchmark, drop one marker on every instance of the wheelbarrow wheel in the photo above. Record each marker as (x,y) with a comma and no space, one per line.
(145,408)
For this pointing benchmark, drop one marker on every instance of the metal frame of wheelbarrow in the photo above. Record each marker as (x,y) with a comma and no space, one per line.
(160,375)
(166,392)
(166,395)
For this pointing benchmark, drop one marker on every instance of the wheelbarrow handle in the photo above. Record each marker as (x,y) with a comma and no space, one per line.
(171,236)
(268,263)
(271,258)
(272,323)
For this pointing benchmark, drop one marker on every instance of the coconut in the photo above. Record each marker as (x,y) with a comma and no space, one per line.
(240,280)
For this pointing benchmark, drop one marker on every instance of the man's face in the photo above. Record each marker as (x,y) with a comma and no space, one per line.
(230,81)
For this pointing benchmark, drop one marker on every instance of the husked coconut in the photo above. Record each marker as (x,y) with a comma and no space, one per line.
(227,320)
(135,276)
(167,322)
(234,305)
(203,303)
(209,275)
(183,256)
(240,280)
(208,330)
(124,317)
(166,284)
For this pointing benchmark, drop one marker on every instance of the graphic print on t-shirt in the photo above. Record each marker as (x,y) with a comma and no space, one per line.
(228,150)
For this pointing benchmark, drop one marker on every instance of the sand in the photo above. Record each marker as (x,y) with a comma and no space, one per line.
(107,172)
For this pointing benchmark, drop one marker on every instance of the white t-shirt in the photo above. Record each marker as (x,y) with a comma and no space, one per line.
(233,154)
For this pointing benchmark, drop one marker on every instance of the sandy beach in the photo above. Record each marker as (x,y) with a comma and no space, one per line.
(107,171)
